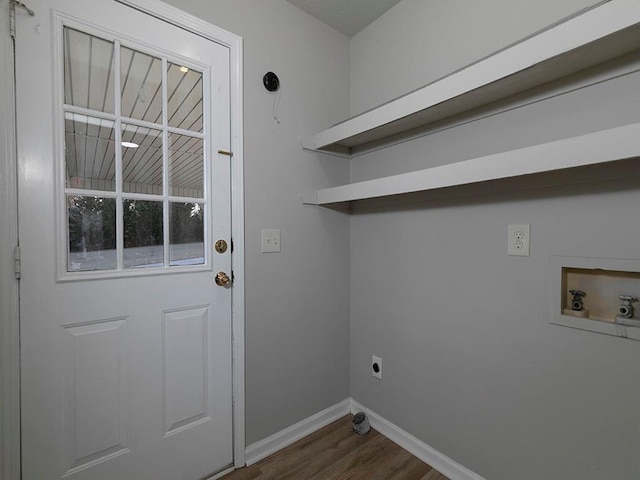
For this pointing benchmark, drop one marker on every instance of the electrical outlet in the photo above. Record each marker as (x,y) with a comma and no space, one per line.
(519,240)
(270,240)
(376,367)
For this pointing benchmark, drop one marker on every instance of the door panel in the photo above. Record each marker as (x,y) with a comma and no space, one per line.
(126,339)
(95,417)
(186,362)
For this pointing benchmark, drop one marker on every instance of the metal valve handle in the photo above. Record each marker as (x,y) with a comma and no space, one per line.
(628,298)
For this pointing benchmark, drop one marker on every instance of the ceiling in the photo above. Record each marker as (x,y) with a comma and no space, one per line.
(346,16)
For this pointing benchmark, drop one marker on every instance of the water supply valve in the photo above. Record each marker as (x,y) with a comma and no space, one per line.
(626,309)
(577,304)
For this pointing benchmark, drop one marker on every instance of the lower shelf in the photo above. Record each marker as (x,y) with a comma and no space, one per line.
(591,149)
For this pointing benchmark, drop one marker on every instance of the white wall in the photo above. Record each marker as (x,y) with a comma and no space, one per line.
(472,365)
(297,334)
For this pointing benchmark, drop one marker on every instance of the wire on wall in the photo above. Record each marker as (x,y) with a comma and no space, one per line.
(272,83)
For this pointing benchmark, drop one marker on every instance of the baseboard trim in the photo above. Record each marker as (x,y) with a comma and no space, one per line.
(262,449)
(445,465)
(221,474)
(417,447)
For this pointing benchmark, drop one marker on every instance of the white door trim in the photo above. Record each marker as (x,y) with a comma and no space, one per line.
(9,318)
(198,26)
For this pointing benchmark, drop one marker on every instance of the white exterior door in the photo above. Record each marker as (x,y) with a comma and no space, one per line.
(125,336)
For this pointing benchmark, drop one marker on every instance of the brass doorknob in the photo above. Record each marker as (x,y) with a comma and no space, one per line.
(222,279)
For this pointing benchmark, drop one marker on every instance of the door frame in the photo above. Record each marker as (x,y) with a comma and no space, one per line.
(9,293)
(9,312)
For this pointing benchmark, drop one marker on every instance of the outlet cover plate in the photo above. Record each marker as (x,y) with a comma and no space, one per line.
(270,240)
(376,361)
(519,240)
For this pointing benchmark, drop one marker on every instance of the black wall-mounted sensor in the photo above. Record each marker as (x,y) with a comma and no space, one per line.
(271,81)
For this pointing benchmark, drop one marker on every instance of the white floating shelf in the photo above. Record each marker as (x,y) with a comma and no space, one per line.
(600,34)
(595,148)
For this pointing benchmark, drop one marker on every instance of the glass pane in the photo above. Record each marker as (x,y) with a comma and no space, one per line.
(186,166)
(186,227)
(141,160)
(184,97)
(141,80)
(89,152)
(143,238)
(88,71)
(92,233)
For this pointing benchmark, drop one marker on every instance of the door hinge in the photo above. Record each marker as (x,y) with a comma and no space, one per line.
(12,15)
(17,267)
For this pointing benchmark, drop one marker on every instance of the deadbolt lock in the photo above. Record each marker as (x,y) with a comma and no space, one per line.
(222,279)
(221,246)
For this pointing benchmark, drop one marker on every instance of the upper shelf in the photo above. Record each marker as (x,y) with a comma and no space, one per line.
(600,34)
(620,143)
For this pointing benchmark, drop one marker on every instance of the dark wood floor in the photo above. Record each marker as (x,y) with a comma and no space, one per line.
(337,453)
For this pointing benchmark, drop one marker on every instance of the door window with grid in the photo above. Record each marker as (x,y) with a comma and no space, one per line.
(135,157)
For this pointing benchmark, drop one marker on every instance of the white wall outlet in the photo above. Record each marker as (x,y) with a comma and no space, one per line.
(519,240)
(270,240)
(376,367)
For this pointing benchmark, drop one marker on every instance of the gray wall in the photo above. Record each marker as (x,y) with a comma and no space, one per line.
(297,334)
(419,41)
(472,365)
